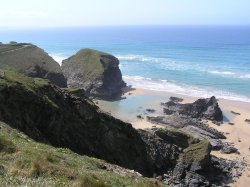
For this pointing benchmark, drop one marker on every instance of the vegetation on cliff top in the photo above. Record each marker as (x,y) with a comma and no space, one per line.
(26,162)
(89,60)
(32,61)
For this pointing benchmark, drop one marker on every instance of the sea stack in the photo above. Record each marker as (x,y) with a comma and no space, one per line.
(96,72)
(32,61)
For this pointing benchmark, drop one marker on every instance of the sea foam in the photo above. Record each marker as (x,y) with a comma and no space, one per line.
(183,89)
(178,65)
(58,57)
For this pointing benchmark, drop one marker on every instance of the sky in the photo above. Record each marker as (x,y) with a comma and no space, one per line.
(77,13)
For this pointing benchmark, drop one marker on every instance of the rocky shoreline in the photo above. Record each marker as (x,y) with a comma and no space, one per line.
(195,124)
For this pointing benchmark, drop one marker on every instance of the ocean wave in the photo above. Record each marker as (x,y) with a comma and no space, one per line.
(231,74)
(183,89)
(175,65)
(142,58)
(58,57)
(162,63)
(222,72)
(247,76)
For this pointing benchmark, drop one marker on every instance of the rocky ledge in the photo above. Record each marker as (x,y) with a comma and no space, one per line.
(96,72)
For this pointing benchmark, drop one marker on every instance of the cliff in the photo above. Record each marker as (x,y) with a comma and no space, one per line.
(96,72)
(32,61)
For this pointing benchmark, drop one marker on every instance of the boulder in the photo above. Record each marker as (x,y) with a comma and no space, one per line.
(229,149)
(247,120)
(32,61)
(202,108)
(96,72)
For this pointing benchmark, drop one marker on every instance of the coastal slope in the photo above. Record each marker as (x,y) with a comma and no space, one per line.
(31,60)
(24,162)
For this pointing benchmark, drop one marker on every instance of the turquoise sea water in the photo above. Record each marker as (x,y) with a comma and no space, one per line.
(196,61)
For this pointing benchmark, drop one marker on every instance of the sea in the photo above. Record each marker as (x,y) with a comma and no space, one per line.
(198,61)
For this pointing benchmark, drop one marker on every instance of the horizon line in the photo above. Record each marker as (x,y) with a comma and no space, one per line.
(132,25)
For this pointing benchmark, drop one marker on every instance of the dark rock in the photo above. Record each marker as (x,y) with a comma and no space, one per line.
(236,113)
(229,149)
(150,110)
(194,159)
(175,99)
(102,166)
(202,108)
(32,61)
(231,123)
(167,111)
(192,127)
(96,72)
(247,120)
(2,170)
(139,117)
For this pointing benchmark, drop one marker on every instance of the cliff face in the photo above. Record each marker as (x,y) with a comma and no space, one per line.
(32,61)
(51,115)
(96,72)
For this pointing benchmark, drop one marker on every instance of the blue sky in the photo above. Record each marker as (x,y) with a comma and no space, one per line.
(68,13)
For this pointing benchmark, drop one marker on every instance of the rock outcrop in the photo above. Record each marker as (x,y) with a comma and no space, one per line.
(202,108)
(32,61)
(191,126)
(96,72)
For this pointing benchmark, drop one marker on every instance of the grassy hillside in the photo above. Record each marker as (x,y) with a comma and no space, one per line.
(23,56)
(32,61)
(89,61)
(26,162)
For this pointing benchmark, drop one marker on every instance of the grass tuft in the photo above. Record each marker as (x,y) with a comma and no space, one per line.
(90,181)
(6,145)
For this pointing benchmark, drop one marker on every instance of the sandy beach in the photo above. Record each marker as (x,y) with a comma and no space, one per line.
(235,128)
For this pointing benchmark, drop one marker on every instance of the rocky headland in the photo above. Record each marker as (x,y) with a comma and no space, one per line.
(32,61)
(95,72)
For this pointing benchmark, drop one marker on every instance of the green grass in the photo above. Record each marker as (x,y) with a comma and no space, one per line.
(26,162)
(7,47)
(25,56)
(12,77)
(88,60)
(6,146)
(196,152)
